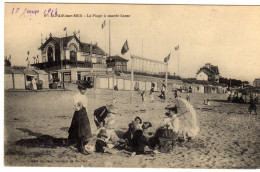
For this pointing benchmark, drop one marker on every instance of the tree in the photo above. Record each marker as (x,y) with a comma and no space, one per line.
(7,62)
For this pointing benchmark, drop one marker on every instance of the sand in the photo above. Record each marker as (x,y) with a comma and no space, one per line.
(228,136)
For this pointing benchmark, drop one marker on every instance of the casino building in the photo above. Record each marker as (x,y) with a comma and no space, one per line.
(70,58)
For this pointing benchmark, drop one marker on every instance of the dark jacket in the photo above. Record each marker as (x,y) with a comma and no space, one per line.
(139,142)
(101,114)
(128,136)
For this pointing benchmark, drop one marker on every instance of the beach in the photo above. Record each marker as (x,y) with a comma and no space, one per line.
(228,137)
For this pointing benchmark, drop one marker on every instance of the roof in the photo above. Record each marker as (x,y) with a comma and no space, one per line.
(95,49)
(206,71)
(85,47)
(116,58)
(10,70)
(40,72)
(29,71)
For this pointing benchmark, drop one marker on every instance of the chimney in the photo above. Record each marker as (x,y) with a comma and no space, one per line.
(208,65)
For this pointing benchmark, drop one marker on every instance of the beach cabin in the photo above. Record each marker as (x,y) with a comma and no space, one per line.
(213,89)
(19,79)
(29,74)
(102,82)
(8,80)
(198,88)
(141,85)
(207,89)
(127,84)
(43,76)
(120,84)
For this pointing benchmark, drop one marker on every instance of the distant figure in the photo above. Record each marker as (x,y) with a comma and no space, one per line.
(206,102)
(175,94)
(151,95)
(116,88)
(252,106)
(162,96)
(34,83)
(188,97)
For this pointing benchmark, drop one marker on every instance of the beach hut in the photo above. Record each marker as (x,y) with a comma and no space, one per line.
(29,74)
(120,83)
(102,82)
(127,84)
(142,85)
(8,80)
(148,85)
(43,76)
(207,89)
(213,89)
(110,83)
(18,78)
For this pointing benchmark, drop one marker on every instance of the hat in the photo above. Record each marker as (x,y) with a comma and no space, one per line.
(82,84)
(138,118)
(171,107)
(102,133)
(111,108)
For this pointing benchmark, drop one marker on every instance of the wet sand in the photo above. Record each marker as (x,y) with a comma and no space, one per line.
(228,137)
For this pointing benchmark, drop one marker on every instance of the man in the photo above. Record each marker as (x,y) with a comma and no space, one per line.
(102,113)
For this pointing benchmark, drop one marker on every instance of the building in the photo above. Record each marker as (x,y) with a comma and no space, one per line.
(70,52)
(256,83)
(208,73)
(146,66)
(69,59)
(118,63)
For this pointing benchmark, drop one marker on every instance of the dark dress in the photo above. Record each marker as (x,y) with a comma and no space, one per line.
(139,142)
(80,127)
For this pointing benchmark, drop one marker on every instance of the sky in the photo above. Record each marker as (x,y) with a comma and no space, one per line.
(226,36)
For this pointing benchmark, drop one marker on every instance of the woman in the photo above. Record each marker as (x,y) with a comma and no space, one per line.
(80,130)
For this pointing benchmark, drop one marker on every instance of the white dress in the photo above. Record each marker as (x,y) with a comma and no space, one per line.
(80,101)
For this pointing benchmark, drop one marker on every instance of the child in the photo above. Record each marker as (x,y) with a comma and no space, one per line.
(128,136)
(101,144)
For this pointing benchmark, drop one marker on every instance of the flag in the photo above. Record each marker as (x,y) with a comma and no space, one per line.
(103,24)
(166,59)
(9,57)
(78,31)
(176,48)
(65,28)
(125,48)
(27,59)
(28,52)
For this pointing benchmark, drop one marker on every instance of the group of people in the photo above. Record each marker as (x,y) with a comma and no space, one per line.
(136,138)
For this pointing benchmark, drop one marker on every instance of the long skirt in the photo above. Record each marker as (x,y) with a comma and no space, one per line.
(80,127)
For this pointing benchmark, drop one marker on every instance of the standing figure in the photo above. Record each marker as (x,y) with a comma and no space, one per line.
(80,131)
(252,106)
(175,94)
(151,95)
(34,83)
(188,97)
(162,96)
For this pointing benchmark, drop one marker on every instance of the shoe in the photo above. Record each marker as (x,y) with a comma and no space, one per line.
(83,151)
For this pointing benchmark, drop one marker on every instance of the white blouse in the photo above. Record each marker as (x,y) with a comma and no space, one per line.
(80,101)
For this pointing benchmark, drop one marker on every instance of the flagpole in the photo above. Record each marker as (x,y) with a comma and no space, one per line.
(166,82)
(132,77)
(109,54)
(178,60)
